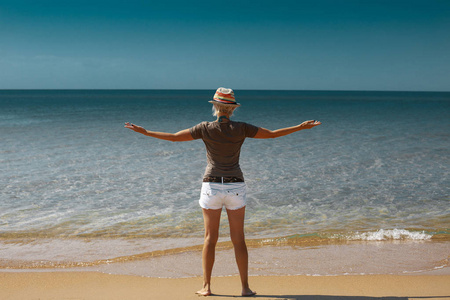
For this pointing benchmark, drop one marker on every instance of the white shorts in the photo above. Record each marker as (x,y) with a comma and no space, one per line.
(215,195)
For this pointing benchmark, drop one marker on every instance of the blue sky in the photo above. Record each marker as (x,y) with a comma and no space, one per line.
(299,45)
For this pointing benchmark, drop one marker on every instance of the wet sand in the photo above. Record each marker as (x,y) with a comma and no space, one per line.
(312,258)
(397,270)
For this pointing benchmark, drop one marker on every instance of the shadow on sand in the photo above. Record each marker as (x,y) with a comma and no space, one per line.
(323,297)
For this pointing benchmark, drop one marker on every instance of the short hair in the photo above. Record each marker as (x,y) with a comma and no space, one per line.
(223,108)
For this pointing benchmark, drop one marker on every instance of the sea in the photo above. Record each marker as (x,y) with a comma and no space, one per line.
(366,192)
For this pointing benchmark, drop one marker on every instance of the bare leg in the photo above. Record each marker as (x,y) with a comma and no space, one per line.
(236,220)
(211,219)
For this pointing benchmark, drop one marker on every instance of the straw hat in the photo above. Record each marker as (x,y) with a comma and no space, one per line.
(224,96)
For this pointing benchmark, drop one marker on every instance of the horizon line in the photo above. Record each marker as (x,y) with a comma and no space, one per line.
(205,89)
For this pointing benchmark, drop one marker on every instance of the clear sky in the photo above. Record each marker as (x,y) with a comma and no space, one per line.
(300,45)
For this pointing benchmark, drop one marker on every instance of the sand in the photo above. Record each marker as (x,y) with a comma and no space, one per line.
(94,285)
(418,270)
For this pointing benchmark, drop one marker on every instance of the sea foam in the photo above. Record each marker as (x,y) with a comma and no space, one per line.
(389,234)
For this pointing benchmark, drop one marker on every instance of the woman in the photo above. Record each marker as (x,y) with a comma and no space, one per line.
(223,181)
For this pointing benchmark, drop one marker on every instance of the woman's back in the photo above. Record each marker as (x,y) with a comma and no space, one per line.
(223,141)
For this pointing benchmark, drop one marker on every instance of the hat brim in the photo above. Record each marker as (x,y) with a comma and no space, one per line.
(215,101)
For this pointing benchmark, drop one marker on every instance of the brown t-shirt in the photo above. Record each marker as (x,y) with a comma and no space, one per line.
(223,143)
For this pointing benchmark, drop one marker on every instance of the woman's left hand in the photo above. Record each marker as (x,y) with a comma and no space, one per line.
(135,128)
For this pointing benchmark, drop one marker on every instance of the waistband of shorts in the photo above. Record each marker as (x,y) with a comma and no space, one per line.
(222,179)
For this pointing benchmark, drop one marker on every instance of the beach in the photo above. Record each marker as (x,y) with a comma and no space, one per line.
(357,207)
(95,286)
(368,271)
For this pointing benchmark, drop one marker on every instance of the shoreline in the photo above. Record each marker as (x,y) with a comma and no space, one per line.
(351,258)
(93,285)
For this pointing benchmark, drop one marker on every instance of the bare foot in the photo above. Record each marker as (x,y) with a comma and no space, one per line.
(204,292)
(248,292)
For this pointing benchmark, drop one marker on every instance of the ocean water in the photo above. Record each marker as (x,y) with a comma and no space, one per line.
(78,187)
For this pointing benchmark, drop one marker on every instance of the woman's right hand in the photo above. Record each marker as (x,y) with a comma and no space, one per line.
(310,124)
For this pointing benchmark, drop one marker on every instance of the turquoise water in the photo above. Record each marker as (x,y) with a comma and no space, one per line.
(379,161)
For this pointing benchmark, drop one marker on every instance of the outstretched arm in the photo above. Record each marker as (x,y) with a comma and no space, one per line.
(270,134)
(180,136)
